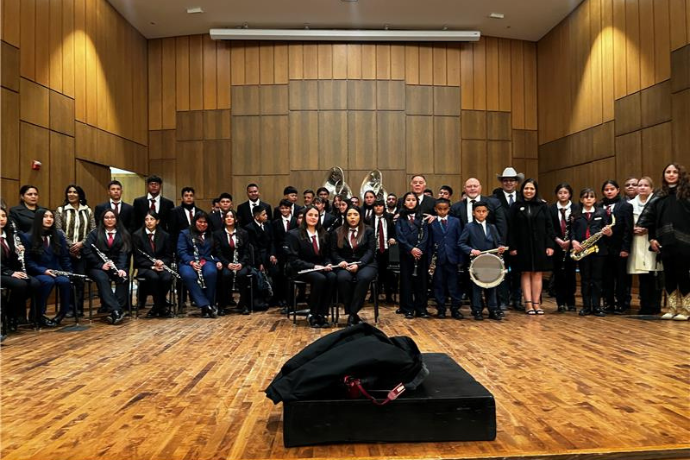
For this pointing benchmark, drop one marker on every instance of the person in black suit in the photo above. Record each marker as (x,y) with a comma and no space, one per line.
(216,218)
(23,214)
(478,236)
(444,238)
(308,247)
(531,241)
(586,224)
(281,226)
(153,201)
(20,285)
(384,234)
(308,196)
(265,260)
(446,192)
(426,202)
(463,209)
(368,207)
(354,242)
(562,214)
(290,194)
(392,204)
(616,282)
(231,247)
(412,233)
(327,219)
(114,242)
(181,216)
(324,194)
(157,244)
(244,210)
(124,211)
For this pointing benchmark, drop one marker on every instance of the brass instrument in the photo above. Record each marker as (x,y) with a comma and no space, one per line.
(589,245)
(335,183)
(200,276)
(165,267)
(18,244)
(111,264)
(374,182)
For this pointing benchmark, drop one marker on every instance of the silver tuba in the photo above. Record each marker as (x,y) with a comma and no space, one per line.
(335,183)
(374,182)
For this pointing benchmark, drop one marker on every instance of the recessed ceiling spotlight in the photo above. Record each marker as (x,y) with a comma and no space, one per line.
(195,10)
(497,15)
(349,1)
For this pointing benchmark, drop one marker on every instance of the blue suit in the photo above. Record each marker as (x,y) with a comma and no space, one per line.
(473,237)
(36,265)
(444,241)
(185,251)
(412,235)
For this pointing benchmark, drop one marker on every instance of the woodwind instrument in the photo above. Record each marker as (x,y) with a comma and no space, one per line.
(235,260)
(200,276)
(420,237)
(434,257)
(17,245)
(111,264)
(309,270)
(568,226)
(69,274)
(589,245)
(165,267)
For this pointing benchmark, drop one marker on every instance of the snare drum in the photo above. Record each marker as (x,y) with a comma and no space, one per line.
(487,270)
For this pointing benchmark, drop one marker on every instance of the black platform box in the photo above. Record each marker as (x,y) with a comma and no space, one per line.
(449,406)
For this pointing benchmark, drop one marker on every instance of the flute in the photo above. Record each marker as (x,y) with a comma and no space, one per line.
(165,267)
(17,245)
(111,264)
(309,270)
(68,274)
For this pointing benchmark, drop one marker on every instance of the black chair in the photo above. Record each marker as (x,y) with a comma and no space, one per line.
(373,288)
(293,285)
(394,267)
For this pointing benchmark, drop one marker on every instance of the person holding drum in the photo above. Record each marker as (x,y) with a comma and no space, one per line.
(478,238)
(531,240)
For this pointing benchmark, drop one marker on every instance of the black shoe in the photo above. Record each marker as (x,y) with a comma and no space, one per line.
(46,322)
(59,317)
(353,319)
(212,311)
(503,307)
(441,314)
(423,314)
(621,311)
(598,312)
(153,313)
(495,315)
(69,314)
(313,322)
(323,322)
(232,303)
(609,309)
(561,309)
(518,306)
(12,324)
(585,312)
(572,308)
(115,317)
(245,311)
(409,315)
(455,314)
(399,312)
(478,316)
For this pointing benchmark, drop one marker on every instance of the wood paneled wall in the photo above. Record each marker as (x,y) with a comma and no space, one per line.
(223,114)
(606,109)
(74,90)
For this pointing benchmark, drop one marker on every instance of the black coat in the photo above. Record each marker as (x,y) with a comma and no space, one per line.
(556,220)
(279,235)
(179,220)
(126,214)
(262,241)
(531,234)
(365,251)
(595,225)
(226,254)
(162,242)
(142,205)
(623,230)
(9,262)
(497,214)
(244,212)
(300,251)
(117,253)
(23,217)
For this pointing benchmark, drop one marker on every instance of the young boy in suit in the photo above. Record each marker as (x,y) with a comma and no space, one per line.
(444,243)
(480,236)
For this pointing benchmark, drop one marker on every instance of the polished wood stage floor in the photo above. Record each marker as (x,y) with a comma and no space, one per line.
(191,388)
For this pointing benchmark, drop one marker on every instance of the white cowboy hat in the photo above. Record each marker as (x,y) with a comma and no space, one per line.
(510,173)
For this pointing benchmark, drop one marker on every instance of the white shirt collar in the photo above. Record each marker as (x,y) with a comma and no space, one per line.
(151,197)
(567,206)
(149,232)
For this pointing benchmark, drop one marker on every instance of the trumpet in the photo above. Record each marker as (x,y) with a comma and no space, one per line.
(589,245)
(165,267)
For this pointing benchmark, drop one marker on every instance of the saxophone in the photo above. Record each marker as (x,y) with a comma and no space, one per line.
(589,245)
(18,244)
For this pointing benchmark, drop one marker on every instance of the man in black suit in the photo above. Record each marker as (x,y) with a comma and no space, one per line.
(446,191)
(426,202)
(384,233)
(182,215)
(327,219)
(463,209)
(153,200)
(244,210)
(124,210)
(261,238)
(510,290)
(324,194)
(281,226)
(289,193)
(216,218)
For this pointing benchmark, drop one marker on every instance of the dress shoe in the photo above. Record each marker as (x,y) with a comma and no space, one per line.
(572,308)
(478,316)
(504,307)
(620,311)
(223,312)
(561,309)
(245,311)
(399,311)
(409,315)
(323,322)
(495,315)
(232,303)
(284,311)
(46,322)
(441,314)
(12,324)
(353,319)
(585,311)
(455,314)
(152,313)
(423,314)
(598,312)
(115,317)
(313,322)
(610,309)
(69,314)
(212,311)
(59,317)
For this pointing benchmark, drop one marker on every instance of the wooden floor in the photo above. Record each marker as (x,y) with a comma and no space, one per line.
(191,388)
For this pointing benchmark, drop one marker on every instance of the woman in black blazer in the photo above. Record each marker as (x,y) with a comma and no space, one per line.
(115,243)
(154,242)
(353,242)
(562,214)
(231,247)
(308,247)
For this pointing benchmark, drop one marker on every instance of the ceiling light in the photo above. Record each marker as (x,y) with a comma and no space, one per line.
(346,35)
(194,10)
(349,1)
(497,15)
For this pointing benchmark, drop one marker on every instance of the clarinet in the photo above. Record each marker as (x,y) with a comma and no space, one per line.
(235,260)
(17,244)
(69,274)
(165,267)
(568,224)
(420,237)
(200,276)
(111,264)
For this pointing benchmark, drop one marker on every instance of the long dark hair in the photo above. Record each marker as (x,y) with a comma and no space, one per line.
(38,232)
(683,188)
(234,214)
(404,211)
(121,230)
(80,192)
(344,230)
(193,232)
(537,197)
(303,226)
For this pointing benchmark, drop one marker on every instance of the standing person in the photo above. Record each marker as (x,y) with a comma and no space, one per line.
(480,235)
(231,247)
(642,261)
(631,184)
(615,288)
(181,216)
(20,284)
(368,206)
(327,220)
(76,220)
(426,202)
(111,239)
(280,229)
(392,204)
(23,214)
(290,194)
(198,266)
(384,233)
(446,192)
(510,290)
(585,225)
(531,241)
(157,244)
(340,205)
(668,223)
(308,247)
(153,201)
(324,194)
(244,210)
(124,211)
(353,242)
(562,214)
(215,220)
(265,260)
(412,235)
(308,195)
(445,244)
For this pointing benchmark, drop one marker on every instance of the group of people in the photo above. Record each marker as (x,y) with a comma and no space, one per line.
(339,247)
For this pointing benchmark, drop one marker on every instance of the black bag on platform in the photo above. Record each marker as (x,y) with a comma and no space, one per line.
(353,361)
